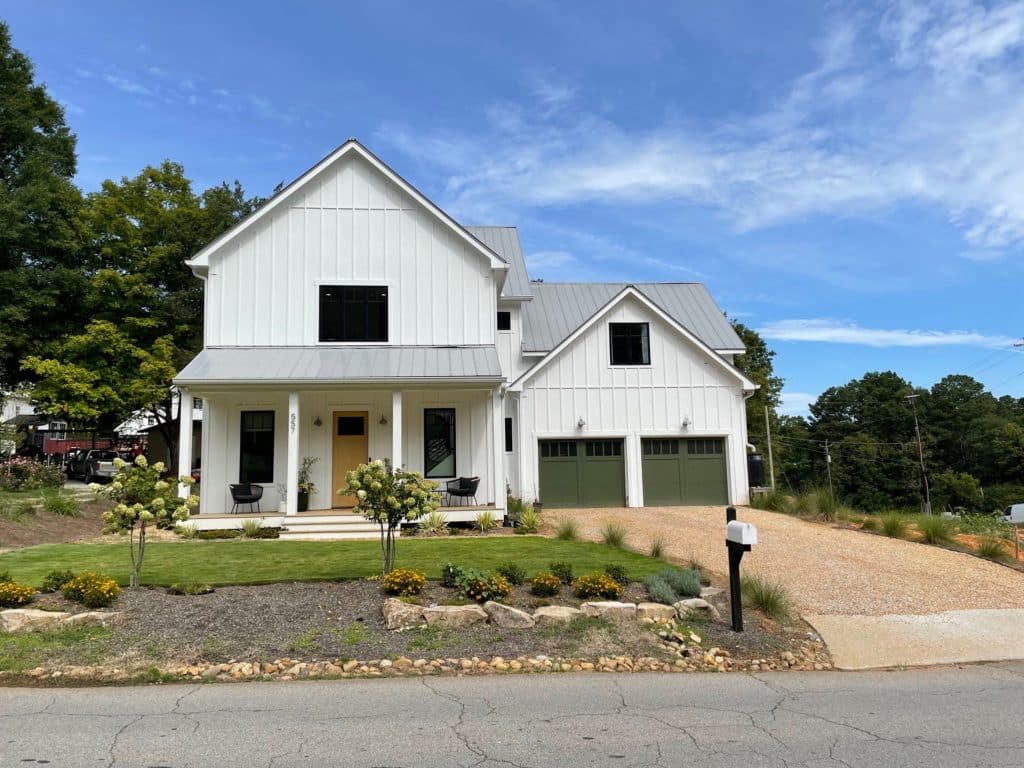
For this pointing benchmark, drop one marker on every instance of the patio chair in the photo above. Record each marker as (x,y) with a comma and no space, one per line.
(246,493)
(462,488)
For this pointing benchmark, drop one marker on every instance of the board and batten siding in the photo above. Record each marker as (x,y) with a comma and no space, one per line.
(348,225)
(632,402)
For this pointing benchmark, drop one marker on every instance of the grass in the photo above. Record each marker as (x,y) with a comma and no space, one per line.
(251,527)
(62,504)
(934,529)
(992,548)
(23,651)
(16,510)
(773,501)
(38,493)
(770,599)
(567,529)
(614,534)
(894,525)
(240,561)
(354,634)
(657,546)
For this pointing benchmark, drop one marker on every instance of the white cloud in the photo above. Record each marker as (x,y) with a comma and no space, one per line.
(796,403)
(549,259)
(128,86)
(188,85)
(830,331)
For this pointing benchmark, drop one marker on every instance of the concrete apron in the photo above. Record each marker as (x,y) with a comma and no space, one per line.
(872,642)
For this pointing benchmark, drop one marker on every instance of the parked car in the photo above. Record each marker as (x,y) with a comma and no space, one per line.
(1014,514)
(95,466)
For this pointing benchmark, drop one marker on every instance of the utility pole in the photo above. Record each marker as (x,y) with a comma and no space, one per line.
(771,462)
(828,467)
(920,455)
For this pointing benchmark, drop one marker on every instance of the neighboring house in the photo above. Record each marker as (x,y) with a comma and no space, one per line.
(350,318)
(13,404)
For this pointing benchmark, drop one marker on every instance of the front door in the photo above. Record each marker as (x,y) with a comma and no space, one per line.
(351,448)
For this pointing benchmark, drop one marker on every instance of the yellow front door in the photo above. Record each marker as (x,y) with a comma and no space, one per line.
(351,448)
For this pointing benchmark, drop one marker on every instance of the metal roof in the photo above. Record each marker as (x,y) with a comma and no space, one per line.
(558,309)
(504,241)
(326,364)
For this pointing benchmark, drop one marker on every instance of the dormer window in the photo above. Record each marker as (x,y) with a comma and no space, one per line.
(630,343)
(353,313)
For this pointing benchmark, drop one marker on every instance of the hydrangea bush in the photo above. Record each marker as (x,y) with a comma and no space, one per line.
(142,498)
(387,496)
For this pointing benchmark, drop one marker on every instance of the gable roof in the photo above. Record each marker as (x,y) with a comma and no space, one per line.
(630,291)
(505,242)
(200,261)
(558,309)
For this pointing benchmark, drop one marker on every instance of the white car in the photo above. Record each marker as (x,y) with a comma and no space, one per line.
(1014,514)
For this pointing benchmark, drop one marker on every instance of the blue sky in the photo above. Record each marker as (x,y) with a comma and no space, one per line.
(847,178)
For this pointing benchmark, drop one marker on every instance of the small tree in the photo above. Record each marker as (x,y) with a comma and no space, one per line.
(387,496)
(142,498)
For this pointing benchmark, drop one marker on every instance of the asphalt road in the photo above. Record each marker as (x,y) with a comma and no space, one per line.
(972,716)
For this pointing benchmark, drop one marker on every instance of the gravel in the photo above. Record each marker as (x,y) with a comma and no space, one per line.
(825,569)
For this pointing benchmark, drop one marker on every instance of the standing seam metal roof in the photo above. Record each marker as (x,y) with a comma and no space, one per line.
(504,241)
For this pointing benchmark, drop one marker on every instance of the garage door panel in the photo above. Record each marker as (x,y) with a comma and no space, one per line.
(683,471)
(582,473)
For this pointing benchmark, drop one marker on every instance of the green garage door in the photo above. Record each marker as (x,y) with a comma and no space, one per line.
(582,473)
(683,471)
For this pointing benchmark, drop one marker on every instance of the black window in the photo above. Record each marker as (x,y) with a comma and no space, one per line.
(508,434)
(504,321)
(708,446)
(661,447)
(553,449)
(630,343)
(439,442)
(257,447)
(353,313)
(604,448)
(351,425)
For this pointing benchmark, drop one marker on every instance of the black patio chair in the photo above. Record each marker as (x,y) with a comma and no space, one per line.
(462,488)
(246,493)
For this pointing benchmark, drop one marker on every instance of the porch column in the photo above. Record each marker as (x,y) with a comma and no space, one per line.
(292,479)
(184,439)
(498,449)
(396,429)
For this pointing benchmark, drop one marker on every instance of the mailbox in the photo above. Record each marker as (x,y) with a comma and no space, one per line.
(741,533)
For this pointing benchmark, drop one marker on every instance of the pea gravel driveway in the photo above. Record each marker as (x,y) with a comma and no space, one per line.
(826,570)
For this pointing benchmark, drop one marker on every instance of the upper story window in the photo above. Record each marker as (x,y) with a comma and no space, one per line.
(630,343)
(353,313)
(504,321)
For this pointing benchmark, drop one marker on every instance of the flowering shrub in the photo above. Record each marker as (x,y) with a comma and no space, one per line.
(482,587)
(27,475)
(450,575)
(142,497)
(13,595)
(93,590)
(387,496)
(597,584)
(54,580)
(545,585)
(403,581)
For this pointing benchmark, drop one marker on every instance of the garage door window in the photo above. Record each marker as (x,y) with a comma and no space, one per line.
(604,448)
(665,447)
(705,447)
(553,449)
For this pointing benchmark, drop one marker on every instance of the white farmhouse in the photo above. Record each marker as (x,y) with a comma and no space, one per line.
(350,318)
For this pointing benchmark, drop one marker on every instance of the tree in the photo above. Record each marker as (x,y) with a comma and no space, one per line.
(142,498)
(756,364)
(952,490)
(387,496)
(40,271)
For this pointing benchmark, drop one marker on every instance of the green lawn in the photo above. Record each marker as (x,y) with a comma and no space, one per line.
(38,493)
(263,562)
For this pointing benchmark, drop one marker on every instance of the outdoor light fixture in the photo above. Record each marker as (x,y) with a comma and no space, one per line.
(383,420)
(686,423)
(581,423)
(317,422)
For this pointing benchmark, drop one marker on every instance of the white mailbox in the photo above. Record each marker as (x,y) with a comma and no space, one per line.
(741,533)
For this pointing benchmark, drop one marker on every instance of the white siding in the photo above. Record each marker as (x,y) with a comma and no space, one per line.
(681,383)
(348,225)
(510,343)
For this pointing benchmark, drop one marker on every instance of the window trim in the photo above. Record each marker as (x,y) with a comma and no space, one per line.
(611,345)
(498,323)
(509,435)
(455,438)
(391,316)
(273,443)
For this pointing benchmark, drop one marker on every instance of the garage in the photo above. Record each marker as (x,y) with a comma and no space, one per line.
(684,471)
(582,473)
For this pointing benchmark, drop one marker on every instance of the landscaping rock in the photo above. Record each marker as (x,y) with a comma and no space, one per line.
(555,614)
(91,619)
(655,612)
(706,592)
(454,615)
(507,616)
(612,610)
(698,606)
(402,615)
(30,620)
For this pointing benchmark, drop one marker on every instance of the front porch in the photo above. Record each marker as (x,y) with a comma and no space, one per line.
(263,436)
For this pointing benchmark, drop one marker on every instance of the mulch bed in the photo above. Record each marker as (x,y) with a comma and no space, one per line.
(46,528)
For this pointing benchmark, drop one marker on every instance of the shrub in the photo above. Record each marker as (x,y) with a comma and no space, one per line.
(62,504)
(613,534)
(403,581)
(514,572)
(773,501)
(433,523)
(450,575)
(894,525)
(545,584)
(992,548)
(567,529)
(28,475)
(771,599)
(14,595)
(597,584)
(935,529)
(659,590)
(562,570)
(657,547)
(482,587)
(216,535)
(250,528)
(685,583)
(869,523)
(485,521)
(801,505)
(189,588)
(618,572)
(187,531)
(16,511)
(54,580)
(529,521)
(5,576)
(93,590)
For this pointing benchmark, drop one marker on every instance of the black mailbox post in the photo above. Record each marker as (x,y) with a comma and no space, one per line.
(736,550)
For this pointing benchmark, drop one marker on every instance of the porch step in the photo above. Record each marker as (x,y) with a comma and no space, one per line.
(327,526)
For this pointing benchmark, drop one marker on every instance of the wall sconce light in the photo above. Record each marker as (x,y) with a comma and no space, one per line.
(317,422)
(383,420)
(581,423)
(686,423)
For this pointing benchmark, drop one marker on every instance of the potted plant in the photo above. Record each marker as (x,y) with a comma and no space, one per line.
(306,486)
(282,494)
